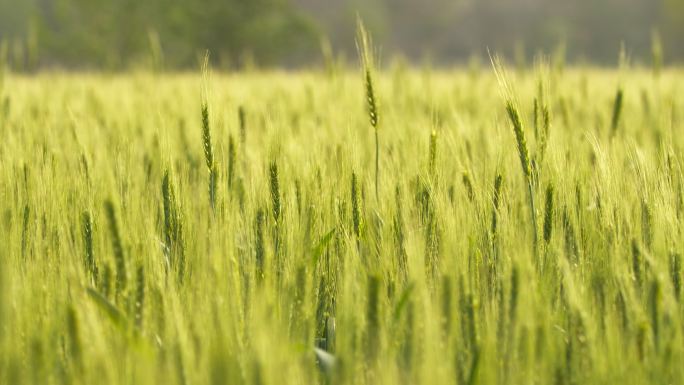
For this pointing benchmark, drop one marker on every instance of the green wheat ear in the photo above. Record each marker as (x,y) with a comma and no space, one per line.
(513,114)
(259,248)
(496,202)
(432,162)
(523,153)
(365,48)
(208,153)
(617,111)
(206,137)
(206,134)
(117,245)
(275,191)
(548,214)
(542,115)
(520,139)
(242,120)
(356,205)
(173,227)
(232,156)
(89,256)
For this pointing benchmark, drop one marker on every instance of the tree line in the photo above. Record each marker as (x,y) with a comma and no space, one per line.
(173,34)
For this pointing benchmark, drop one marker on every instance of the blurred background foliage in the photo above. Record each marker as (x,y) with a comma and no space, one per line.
(172,34)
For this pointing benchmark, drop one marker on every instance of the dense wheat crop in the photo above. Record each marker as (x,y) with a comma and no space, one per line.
(165,229)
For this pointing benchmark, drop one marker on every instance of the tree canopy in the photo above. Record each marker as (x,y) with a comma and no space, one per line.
(119,34)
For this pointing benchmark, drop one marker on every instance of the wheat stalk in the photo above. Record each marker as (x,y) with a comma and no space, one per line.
(356,206)
(373,317)
(89,256)
(232,155)
(432,162)
(242,120)
(496,202)
(206,134)
(72,327)
(259,250)
(365,48)
(676,273)
(275,191)
(172,231)
(548,214)
(523,152)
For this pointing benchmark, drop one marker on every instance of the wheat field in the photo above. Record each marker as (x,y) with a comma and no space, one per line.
(229,228)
